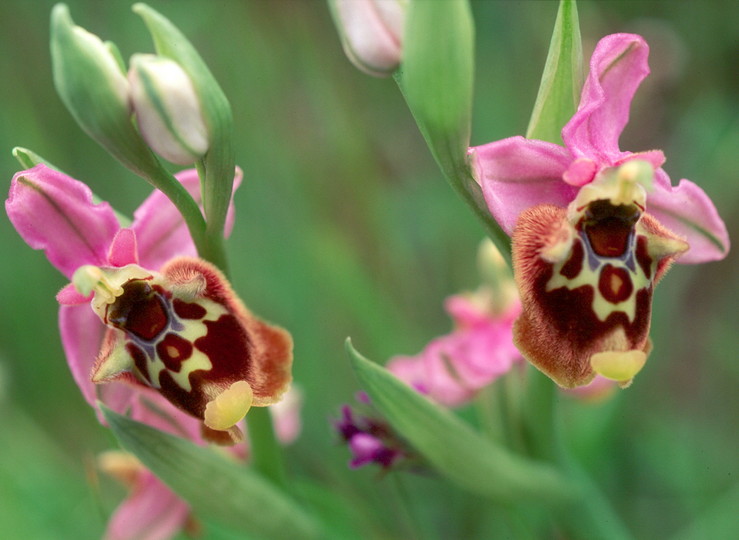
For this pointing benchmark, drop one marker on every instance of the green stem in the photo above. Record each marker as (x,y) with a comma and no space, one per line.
(456,170)
(404,505)
(266,454)
(590,514)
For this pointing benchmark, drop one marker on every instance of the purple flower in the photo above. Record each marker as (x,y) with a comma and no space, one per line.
(369,440)
(172,324)
(594,227)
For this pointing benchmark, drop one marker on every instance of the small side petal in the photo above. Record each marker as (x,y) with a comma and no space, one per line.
(617,68)
(123,249)
(151,512)
(516,174)
(687,211)
(69,296)
(55,213)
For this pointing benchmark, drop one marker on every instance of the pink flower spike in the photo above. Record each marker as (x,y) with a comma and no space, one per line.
(617,68)
(55,213)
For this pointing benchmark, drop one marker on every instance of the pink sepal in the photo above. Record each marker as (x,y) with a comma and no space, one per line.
(55,213)
(617,68)
(517,173)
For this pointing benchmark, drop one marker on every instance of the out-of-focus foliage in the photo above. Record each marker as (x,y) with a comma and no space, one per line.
(345,226)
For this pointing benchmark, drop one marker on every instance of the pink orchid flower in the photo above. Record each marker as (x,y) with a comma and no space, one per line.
(172,324)
(453,368)
(594,228)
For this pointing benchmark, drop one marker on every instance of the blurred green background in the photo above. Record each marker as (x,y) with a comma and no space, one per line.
(345,227)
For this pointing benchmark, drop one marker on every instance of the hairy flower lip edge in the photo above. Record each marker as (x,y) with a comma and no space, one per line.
(265,363)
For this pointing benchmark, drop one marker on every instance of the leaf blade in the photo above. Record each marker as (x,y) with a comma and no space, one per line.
(452,447)
(223,491)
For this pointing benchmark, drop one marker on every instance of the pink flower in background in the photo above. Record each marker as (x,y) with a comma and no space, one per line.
(594,227)
(454,367)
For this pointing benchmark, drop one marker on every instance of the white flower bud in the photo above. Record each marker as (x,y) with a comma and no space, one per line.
(372,32)
(167,108)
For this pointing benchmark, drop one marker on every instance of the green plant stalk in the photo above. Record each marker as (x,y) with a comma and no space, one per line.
(459,176)
(589,514)
(266,453)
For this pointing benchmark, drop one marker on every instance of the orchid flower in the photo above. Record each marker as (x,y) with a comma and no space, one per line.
(454,367)
(160,318)
(594,227)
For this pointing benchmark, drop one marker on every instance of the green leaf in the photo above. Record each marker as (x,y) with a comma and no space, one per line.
(221,490)
(219,162)
(89,81)
(561,82)
(452,447)
(437,77)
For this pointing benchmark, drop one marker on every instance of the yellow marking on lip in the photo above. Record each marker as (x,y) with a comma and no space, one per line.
(229,407)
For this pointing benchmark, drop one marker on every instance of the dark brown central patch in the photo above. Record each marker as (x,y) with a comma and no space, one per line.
(609,227)
(139,310)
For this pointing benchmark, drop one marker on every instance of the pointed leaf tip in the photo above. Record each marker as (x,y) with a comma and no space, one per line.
(452,447)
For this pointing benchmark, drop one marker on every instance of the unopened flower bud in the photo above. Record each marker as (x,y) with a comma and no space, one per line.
(88,77)
(168,109)
(372,32)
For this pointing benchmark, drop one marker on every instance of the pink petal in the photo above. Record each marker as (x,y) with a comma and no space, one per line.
(687,211)
(464,311)
(410,370)
(123,249)
(517,173)
(160,230)
(580,172)
(617,67)
(82,333)
(444,385)
(69,296)
(151,512)
(54,212)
